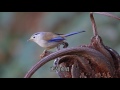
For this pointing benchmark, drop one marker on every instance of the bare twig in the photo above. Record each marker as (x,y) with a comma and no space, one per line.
(93,24)
(93,21)
(108,14)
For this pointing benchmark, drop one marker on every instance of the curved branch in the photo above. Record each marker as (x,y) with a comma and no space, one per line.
(96,57)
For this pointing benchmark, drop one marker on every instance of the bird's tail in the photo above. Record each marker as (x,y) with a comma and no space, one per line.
(73,33)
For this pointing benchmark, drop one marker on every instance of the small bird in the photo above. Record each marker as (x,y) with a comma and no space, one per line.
(49,40)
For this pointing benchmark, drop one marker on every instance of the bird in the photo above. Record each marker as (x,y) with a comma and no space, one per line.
(49,40)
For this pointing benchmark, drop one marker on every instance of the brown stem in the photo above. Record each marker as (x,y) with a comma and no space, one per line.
(108,14)
(93,24)
(96,57)
(93,21)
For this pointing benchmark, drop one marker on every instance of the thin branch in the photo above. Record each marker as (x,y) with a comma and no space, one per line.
(93,24)
(108,14)
(93,21)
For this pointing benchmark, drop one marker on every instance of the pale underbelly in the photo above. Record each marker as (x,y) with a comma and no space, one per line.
(49,45)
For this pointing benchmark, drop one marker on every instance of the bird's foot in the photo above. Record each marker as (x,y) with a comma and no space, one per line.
(45,53)
(65,45)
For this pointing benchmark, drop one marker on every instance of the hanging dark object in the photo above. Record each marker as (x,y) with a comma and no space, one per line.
(94,60)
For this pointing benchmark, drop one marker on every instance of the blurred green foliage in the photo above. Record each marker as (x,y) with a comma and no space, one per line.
(17,55)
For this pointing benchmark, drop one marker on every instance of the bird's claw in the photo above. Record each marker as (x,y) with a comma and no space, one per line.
(65,44)
(45,53)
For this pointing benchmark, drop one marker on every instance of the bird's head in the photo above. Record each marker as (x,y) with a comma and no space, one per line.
(36,37)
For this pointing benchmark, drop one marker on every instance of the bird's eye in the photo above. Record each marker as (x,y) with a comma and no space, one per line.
(33,37)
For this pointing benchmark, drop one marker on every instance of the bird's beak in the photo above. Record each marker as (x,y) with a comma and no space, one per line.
(29,39)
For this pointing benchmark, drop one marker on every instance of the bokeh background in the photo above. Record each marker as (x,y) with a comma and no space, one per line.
(17,55)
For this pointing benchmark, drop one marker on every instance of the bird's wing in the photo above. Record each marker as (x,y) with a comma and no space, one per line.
(48,35)
(52,37)
(56,39)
